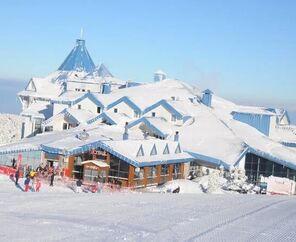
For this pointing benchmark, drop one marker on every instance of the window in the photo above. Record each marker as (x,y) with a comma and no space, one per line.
(38,128)
(79,106)
(166,150)
(98,109)
(153,114)
(151,171)
(115,110)
(164,170)
(140,151)
(118,168)
(83,90)
(174,118)
(48,129)
(90,175)
(153,151)
(65,126)
(178,149)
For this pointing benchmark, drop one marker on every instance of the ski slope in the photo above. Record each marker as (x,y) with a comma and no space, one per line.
(55,214)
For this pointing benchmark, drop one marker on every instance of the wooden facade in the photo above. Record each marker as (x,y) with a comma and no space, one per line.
(133,177)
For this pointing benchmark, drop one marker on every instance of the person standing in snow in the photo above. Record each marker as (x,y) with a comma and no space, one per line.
(38,184)
(99,187)
(51,178)
(78,186)
(17,176)
(13,161)
(27,183)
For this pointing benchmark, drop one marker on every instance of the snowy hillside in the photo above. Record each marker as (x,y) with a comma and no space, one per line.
(57,215)
(10,128)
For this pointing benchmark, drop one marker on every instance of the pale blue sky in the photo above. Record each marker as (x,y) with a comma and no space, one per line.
(244,50)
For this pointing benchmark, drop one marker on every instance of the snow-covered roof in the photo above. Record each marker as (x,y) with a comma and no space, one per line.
(253,110)
(98,163)
(157,125)
(149,152)
(112,118)
(105,137)
(101,71)
(40,110)
(79,116)
(285,133)
(263,145)
(209,139)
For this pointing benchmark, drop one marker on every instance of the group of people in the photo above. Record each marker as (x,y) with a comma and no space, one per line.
(32,177)
(32,180)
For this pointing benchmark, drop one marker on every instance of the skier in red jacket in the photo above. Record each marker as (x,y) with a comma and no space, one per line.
(27,182)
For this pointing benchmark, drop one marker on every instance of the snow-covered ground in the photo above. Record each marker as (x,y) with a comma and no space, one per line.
(10,128)
(57,214)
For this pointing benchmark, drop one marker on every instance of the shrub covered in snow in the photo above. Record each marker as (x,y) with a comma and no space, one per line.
(10,128)
(237,181)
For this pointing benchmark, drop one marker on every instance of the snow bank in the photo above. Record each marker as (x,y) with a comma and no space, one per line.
(10,128)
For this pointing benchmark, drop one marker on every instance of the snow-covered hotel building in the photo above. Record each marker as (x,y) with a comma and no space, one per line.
(91,124)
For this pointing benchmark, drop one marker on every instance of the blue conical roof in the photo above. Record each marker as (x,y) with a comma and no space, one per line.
(78,59)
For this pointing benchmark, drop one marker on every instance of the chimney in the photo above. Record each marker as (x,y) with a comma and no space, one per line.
(145,134)
(125,134)
(176,136)
(159,76)
(105,88)
(207,97)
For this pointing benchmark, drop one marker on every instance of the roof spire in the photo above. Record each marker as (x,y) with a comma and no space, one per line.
(81,33)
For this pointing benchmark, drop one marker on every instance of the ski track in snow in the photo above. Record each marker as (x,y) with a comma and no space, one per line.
(56,214)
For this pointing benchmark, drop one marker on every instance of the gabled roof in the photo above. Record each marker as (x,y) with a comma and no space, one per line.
(77,98)
(157,125)
(167,106)
(38,110)
(78,59)
(126,100)
(111,117)
(102,71)
(31,86)
(139,152)
(103,116)
(77,116)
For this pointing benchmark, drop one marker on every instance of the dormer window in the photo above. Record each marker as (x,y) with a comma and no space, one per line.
(115,110)
(153,114)
(98,109)
(166,150)
(178,149)
(140,151)
(153,151)
(79,106)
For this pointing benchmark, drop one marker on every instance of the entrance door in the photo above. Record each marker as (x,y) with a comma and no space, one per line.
(78,172)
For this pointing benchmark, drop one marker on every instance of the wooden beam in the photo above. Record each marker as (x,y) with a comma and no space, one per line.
(131,174)
(70,166)
(145,176)
(182,170)
(158,172)
(171,168)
